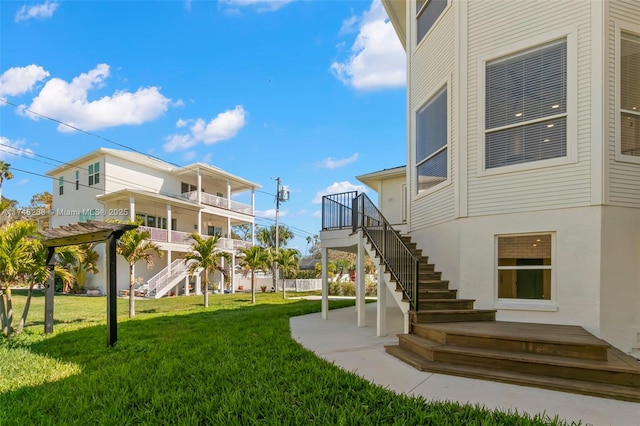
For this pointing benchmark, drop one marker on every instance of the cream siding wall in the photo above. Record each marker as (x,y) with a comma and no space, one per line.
(390,199)
(495,26)
(432,65)
(123,174)
(72,203)
(624,177)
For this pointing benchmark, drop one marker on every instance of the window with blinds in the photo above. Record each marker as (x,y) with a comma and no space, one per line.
(431,142)
(630,94)
(427,13)
(526,106)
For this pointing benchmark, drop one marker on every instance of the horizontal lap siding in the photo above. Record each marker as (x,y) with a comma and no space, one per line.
(624,178)
(432,64)
(492,27)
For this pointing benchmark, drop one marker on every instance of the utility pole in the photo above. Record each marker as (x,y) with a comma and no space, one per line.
(282,195)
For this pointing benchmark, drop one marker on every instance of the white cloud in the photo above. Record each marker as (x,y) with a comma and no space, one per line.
(337,188)
(39,11)
(9,148)
(377,59)
(260,5)
(188,156)
(271,213)
(223,127)
(332,163)
(68,102)
(19,80)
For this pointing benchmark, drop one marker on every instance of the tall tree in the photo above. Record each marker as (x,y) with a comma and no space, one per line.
(42,199)
(5,173)
(204,254)
(241,232)
(288,260)
(255,258)
(134,245)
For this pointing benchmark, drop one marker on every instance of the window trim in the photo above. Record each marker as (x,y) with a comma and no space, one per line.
(417,15)
(526,304)
(93,174)
(414,173)
(620,27)
(570,35)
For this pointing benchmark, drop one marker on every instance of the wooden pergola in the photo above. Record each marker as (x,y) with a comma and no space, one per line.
(80,233)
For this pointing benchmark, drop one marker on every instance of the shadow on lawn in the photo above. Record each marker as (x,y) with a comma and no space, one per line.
(163,359)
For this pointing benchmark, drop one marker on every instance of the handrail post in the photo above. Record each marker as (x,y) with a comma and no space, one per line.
(354,213)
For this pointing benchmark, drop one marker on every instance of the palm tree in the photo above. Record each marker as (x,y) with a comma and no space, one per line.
(204,254)
(267,237)
(84,264)
(288,259)
(16,259)
(255,258)
(40,273)
(134,245)
(5,173)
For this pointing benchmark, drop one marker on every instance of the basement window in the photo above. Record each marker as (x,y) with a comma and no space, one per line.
(524,267)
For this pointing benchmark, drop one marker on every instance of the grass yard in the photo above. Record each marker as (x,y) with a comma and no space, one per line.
(178,363)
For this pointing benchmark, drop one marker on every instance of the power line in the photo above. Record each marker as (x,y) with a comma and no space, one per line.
(112,178)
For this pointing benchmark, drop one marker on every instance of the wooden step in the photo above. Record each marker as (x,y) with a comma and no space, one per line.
(424,285)
(624,393)
(453,315)
(446,304)
(548,339)
(435,294)
(541,365)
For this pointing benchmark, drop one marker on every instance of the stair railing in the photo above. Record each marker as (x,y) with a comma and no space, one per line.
(398,258)
(350,210)
(163,278)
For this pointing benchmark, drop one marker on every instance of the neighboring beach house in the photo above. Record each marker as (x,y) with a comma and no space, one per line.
(522,176)
(171,201)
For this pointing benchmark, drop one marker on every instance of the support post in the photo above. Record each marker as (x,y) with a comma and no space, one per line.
(112,291)
(381,326)
(325,284)
(50,289)
(360,285)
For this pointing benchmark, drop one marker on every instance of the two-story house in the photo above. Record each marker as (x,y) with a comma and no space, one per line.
(170,201)
(522,177)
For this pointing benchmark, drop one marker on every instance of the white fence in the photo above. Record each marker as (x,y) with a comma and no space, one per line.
(290,285)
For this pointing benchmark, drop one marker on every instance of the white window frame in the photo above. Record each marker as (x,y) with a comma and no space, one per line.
(92,174)
(414,172)
(417,14)
(622,27)
(526,304)
(570,35)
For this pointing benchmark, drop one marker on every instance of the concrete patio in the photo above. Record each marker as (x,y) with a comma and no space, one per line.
(357,349)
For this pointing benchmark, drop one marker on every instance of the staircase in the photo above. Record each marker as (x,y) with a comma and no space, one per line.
(448,335)
(166,279)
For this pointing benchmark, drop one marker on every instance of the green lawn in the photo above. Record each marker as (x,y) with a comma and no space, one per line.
(178,363)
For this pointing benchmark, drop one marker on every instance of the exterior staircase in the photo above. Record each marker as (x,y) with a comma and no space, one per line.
(448,335)
(161,283)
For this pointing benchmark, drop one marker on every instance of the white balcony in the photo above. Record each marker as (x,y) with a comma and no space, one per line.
(178,237)
(215,201)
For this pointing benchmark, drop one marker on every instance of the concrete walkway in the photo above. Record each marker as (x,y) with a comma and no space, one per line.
(340,341)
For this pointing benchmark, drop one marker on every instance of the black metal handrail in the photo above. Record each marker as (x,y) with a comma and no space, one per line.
(350,210)
(337,211)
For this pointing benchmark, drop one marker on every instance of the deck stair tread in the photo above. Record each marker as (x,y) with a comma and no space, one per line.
(525,357)
(530,332)
(603,390)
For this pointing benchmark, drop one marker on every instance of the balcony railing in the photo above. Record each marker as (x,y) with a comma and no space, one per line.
(179,237)
(215,201)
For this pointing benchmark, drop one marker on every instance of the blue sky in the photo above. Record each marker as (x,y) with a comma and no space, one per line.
(312,92)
